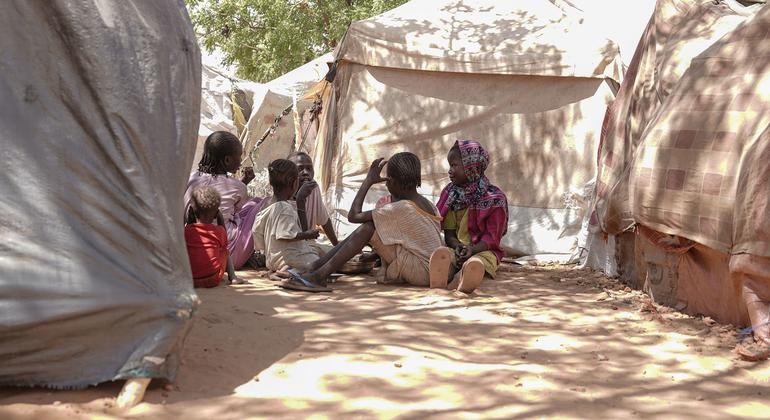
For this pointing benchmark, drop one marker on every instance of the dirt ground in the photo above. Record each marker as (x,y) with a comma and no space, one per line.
(548,342)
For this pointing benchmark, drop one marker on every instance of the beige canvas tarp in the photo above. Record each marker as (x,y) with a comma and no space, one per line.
(226,101)
(525,78)
(270,100)
(301,79)
(702,171)
(677,32)
(535,37)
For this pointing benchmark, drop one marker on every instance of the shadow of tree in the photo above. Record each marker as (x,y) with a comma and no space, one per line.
(542,131)
(536,342)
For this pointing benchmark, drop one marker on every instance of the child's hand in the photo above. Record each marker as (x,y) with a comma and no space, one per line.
(374,176)
(309,234)
(463,253)
(305,189)
(459,249)
(248,175)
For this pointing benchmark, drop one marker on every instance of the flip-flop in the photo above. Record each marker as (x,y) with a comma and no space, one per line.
(439,266)
(293,272)
(296,282)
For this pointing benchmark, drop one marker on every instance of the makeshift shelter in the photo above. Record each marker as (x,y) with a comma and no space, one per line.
(272,100)
(689,271)
(678,31)
(527,79)
(100,104)
(226,101)
(700,182)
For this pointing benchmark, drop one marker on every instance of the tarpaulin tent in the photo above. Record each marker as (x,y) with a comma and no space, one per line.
(269,102)
(678,31)
(701,173)
(528,79)
(100,107)
(226,101)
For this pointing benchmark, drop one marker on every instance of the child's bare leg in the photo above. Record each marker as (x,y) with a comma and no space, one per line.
(231,279)
(324,258)
(341,253)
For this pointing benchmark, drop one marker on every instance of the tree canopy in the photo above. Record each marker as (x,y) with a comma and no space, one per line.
(267,38)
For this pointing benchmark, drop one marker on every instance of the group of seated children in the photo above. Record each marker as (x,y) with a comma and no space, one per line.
(222,155)
(404,229)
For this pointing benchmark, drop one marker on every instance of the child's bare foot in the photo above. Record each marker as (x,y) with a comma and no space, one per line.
(278,275)
(440,268)
(472,275)
(237,280)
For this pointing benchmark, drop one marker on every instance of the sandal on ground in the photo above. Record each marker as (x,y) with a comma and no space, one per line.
(296,282)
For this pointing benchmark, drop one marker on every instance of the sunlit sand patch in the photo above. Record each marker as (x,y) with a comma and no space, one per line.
(475,314)
(761,375)
(750,409)
(554,342)
(705,364)
(317,378)
(666,350)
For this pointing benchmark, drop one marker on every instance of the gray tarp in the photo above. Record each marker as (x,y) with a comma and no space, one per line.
(99,109)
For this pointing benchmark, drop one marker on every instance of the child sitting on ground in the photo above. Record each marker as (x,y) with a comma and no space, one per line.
(403,232)
(207,241)
(308,196)
(222,153)
(277,227)
(475,216)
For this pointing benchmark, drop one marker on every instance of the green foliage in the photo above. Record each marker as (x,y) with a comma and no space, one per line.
(266,38)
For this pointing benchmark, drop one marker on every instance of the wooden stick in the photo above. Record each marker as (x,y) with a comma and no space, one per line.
(132,392)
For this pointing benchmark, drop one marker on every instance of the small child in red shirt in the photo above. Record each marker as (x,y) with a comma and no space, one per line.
(206,241)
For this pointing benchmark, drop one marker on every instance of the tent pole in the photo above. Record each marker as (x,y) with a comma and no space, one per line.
(132,392)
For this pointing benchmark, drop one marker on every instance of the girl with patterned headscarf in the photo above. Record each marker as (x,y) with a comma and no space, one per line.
(475,218)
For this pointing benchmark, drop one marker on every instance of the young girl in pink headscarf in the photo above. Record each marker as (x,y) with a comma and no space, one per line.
(475,218)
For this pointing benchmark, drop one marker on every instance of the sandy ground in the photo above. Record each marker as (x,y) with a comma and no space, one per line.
(535,343)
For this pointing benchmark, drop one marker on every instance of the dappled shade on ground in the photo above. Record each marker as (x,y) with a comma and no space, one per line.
(536,342)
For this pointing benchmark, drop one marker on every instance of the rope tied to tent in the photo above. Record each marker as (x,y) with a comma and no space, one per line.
(269,132)
(315,110)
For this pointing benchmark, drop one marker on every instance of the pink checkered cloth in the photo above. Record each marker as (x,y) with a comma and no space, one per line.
(670,41)
(703,169)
